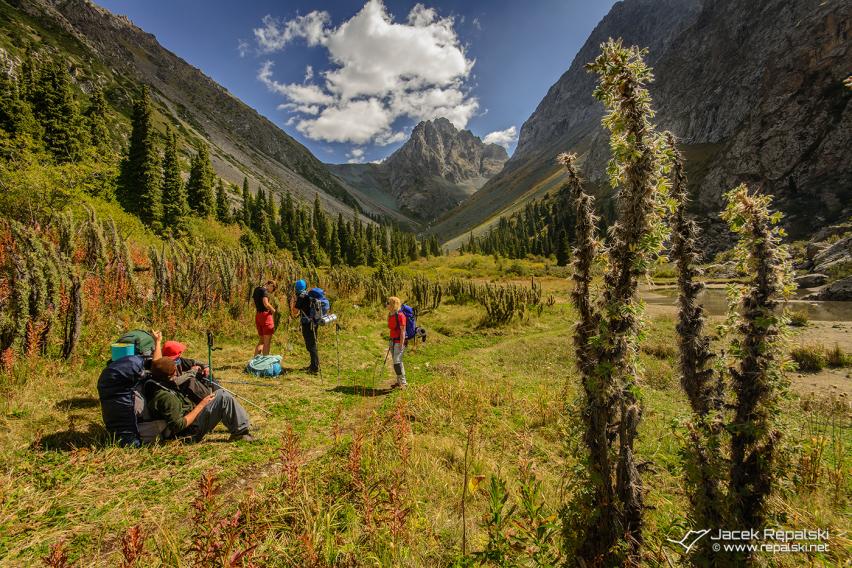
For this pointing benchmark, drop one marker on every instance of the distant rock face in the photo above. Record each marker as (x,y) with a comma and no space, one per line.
(753,89)
(838,291)
(433,171)
(436,148)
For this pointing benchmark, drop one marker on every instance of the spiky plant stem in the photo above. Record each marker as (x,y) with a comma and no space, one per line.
(636,170)
(602,531)
(73,318)
(702,455)
(757,375)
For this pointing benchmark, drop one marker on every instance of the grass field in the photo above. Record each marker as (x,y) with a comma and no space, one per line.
(372,476)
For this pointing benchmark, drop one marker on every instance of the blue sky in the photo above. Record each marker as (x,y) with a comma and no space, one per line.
(349,79)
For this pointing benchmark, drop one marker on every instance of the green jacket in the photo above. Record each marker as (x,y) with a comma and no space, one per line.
(170,406)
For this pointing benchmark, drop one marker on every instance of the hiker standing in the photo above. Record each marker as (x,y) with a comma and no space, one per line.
(301,305)
(396,324)
(264,319)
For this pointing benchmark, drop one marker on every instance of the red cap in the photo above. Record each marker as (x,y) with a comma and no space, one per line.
(173,349)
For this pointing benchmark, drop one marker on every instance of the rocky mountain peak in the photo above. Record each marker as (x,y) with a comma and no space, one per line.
(437,168)
(437,148)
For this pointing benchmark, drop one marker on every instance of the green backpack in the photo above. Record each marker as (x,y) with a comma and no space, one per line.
(142,341)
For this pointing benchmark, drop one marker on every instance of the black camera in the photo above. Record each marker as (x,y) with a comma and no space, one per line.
(420,333)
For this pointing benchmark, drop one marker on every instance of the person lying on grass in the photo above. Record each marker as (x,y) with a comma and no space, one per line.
(188,418)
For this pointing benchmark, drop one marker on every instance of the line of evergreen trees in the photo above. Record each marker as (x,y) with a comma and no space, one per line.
(153,189)
(541,229)
(40,114)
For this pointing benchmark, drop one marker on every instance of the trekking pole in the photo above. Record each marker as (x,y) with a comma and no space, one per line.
(337,346)
(376,368)
(232,393)
(254,384)
(210,350)
(212,380)
(316,346)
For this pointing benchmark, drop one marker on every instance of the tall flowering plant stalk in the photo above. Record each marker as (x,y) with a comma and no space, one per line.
(606,337)
(757,362)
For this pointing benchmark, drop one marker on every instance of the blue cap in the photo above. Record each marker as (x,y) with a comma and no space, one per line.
(300,286)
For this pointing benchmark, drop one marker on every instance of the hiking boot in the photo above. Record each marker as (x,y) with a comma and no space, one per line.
(311,370)
(242,437)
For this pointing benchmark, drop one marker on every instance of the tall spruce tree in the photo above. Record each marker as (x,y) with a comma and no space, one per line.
(139,189)
(16,115)
(175,204)
(57,111)
(199,187)
(562,249)
(223,209)
(96,120)
(259,211)
(247,205)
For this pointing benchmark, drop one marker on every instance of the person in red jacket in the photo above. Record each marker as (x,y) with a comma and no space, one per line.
(396,324)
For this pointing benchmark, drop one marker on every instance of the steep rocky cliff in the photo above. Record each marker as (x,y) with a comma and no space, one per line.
(753,90)
(432,172)
(242,141)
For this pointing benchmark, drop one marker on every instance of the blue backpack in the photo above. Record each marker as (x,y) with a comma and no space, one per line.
(121,400)
(410,321)
(320,305)
(264,366)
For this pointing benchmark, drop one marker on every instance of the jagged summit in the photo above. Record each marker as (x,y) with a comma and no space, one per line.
(437,168)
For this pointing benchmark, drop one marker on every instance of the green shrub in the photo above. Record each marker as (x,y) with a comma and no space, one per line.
(798,318)
(835,357)
(809,358)
(517,269)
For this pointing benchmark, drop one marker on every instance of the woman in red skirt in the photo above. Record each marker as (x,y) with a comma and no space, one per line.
(264,320)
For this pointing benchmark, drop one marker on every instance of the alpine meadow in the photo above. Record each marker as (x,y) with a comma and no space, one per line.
(619,334)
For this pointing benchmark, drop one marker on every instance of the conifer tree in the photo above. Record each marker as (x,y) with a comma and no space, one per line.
(562,249)
(259,210)
(16,115)
(264,232)
(28,76)
(223,209)
(199,187)
(175,204)
(139,190)
(334,247)
(58,113)
(247,205)
(96,119)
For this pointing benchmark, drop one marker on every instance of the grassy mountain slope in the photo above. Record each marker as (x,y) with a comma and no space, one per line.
(110,49)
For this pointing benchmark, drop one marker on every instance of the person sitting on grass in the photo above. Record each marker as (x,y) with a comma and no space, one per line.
(186,419)
(396,324)
(264,319)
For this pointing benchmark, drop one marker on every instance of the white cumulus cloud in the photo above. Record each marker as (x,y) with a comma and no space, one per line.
(274,34)
(356,156)
(502,137)
(379,70)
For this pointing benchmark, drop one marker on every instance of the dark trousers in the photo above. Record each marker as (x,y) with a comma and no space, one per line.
(309,333)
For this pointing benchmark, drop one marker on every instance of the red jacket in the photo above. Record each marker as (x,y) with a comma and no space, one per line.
(396,324)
